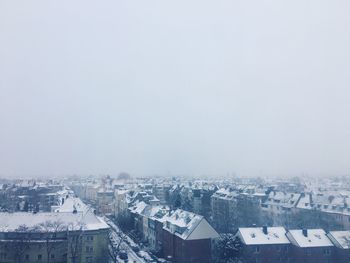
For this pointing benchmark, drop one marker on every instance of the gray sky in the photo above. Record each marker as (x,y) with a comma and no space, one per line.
(174,86)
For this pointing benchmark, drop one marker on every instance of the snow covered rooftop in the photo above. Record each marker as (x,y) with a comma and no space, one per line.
(284,199)
(189,226)
(256,235)
(72,203)
(121,191)
(327,202)
(225,194)
(151,210)
(138,207)
(313,238)
(340,238)
(9,222)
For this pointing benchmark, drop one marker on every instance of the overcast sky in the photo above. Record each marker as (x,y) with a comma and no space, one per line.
(159,87)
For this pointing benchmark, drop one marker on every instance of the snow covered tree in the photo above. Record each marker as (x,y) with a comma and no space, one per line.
(227,249)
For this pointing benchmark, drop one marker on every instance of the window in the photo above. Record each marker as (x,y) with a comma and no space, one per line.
(89,249)
(27,257)
(40,257)
(88,259)
(90,238)
(327,251)
(257,249)
(52,256)
(3,255)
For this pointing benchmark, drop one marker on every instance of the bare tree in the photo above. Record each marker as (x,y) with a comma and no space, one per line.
(20,243)
(116,240)
(75,233)
(51,229)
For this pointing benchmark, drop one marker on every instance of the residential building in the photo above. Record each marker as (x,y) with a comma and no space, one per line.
(187,238)
(264,244)
(61,237)
(341,241)
(310,245)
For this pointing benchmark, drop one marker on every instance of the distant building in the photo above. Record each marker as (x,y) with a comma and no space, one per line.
(105,201)
(334,207)
(162,193)
(120,204)
(279,206)
(223,205)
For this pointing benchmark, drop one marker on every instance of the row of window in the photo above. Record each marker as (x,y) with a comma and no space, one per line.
(40,257)
(90,238)
(326,251)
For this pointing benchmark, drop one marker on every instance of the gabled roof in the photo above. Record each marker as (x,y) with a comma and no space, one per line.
(256,236)
(70,204)
(138,207)
(150,210)
(314,238)
(225,194)
(283,199)
(340,239)
(189,226)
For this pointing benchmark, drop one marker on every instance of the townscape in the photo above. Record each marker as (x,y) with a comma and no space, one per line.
(174,131)
(124,218)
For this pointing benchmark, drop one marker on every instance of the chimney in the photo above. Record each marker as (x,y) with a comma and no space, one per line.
(304,232)
(265,230)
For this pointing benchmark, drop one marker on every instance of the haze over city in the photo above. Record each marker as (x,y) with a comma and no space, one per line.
(181,87)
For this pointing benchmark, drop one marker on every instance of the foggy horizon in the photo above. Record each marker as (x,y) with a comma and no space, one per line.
(246,87)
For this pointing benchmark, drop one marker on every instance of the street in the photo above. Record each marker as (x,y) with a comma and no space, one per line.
(132,256)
